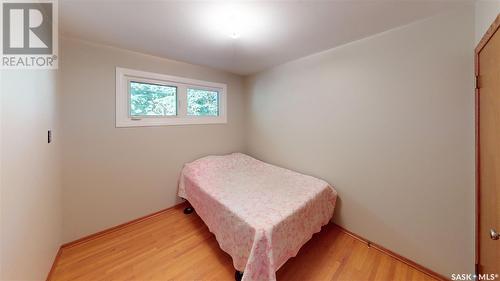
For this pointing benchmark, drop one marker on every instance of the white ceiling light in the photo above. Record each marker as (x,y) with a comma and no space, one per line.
(231,25)
(233,20)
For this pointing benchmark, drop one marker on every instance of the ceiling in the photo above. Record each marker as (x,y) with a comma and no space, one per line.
(269,32)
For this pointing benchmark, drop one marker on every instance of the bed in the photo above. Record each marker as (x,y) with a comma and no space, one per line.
(260,214)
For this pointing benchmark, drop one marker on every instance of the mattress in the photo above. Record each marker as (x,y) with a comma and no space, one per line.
(260,214)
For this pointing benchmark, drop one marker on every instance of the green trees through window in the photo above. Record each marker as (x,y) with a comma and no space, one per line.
(147,99)
(152,99)
(202,102)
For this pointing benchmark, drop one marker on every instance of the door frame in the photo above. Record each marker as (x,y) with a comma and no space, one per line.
(494,27)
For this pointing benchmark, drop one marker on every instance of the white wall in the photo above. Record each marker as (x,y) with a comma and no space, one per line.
(1,177)
(31,189)
(113,175)
(389,120)
(485,13)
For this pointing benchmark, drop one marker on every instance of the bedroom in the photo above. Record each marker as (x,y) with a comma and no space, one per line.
(370,102)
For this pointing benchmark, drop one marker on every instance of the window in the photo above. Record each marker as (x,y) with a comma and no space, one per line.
(202,102)
(150,99)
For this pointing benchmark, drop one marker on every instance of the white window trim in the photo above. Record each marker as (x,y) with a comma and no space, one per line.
(124,75)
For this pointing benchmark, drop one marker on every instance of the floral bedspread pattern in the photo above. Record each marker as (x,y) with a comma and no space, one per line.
(260,214)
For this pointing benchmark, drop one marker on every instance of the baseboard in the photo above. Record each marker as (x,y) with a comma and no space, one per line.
(388,252)
(96,235)
(182,205)
(56,258)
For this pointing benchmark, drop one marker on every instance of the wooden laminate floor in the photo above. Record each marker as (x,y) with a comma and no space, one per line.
(174,246)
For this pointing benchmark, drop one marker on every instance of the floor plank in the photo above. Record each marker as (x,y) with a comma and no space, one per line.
(174,246)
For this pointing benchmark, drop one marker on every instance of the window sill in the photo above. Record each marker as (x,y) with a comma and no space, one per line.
(172,121)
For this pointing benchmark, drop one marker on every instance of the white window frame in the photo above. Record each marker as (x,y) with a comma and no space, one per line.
(123,118)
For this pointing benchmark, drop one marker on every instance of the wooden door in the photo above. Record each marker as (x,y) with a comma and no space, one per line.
(488,106)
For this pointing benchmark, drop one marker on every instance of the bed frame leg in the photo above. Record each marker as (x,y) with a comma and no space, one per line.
(188,210)
(238,275)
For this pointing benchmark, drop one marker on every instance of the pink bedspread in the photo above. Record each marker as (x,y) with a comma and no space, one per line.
(260,214)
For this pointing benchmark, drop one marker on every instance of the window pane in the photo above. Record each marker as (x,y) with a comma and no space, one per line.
(152,99)
(202,102)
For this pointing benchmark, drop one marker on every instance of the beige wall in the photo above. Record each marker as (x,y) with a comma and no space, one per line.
(112,175)
(30,184)
(389,121)
(485,13)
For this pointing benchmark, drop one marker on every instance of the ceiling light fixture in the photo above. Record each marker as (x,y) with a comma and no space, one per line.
(232,26)
(233,20)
